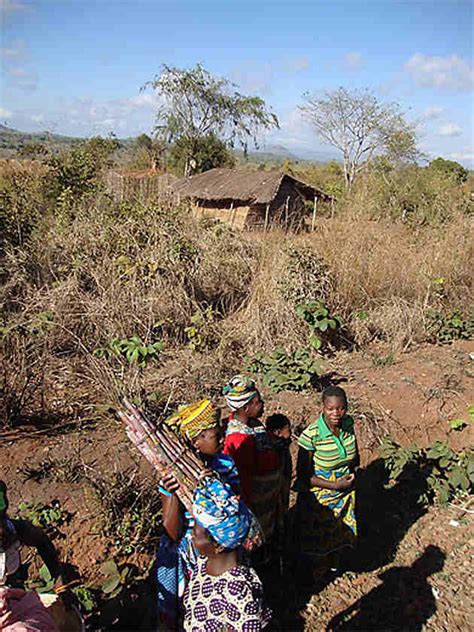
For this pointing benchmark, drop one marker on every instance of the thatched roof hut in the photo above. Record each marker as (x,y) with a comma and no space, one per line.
(249,199)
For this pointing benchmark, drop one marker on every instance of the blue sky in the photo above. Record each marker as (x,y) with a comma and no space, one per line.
(76,66)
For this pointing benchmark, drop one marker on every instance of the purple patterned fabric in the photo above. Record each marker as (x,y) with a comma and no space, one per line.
(232,601)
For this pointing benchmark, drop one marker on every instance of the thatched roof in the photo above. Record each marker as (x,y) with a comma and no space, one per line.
(251,187)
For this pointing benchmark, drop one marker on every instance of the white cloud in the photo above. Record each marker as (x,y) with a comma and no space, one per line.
(449,130)
(16,51)
(353,61)
(18,72)
(296,64)
(433,111)
(445,73)
(464,156)
(37,118)
(5,114)
(253,76)
(10,6)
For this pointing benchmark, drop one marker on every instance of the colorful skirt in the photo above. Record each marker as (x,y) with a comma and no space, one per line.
(175,562)
(327,521)
(266,500)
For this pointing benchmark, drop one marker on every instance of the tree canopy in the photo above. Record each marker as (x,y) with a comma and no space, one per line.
(360,127)
(194,105)
(450,168)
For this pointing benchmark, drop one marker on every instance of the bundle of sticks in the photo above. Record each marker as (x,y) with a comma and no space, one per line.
(166,452)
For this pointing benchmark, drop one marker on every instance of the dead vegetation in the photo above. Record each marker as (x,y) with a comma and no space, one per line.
(121,274)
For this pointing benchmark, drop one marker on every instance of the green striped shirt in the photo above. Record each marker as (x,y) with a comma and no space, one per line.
(330,452)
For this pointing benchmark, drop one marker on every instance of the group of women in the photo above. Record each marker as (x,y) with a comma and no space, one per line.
(239,519)
(205,574)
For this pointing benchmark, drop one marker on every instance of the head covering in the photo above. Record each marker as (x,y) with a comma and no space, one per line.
(3,501)
(192,419)
(239,391)
(220,511)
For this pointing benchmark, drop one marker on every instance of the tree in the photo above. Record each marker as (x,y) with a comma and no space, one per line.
(360,126)
(148,150)
(450,168)
(195,104)
(209,152)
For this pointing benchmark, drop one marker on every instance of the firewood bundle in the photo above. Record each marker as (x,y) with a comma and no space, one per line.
(164,450)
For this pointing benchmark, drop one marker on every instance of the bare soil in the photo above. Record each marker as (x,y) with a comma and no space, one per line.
(412,567)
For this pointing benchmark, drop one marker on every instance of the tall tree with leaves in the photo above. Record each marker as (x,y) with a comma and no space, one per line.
(360,127)
(194,105)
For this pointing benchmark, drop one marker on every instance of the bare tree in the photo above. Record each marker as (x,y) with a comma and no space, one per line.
(360,126)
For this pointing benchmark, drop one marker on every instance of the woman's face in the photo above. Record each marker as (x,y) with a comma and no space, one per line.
(255,407)
(210,441)
(334,409)
(202,542)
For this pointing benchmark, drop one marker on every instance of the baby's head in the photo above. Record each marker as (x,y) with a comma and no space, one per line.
(279,425)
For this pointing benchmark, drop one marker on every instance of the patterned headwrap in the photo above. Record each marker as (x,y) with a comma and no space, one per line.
(227,518)
(192,419)
(239,391)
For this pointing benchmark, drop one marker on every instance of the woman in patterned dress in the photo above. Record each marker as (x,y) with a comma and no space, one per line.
(223,595)
(327,459)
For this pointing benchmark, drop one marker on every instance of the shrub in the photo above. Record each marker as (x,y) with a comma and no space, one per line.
(282,371)
(443,472)
(451,326)
(323,324)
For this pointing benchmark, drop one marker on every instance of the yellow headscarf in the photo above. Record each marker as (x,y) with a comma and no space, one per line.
(192,419)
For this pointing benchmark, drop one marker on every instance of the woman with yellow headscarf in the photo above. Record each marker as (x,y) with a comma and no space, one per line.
(198,425)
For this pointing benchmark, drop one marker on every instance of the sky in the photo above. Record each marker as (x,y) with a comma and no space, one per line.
(75,67)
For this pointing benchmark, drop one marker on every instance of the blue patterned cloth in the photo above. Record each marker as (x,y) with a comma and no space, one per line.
(224,465)
(175,562)
(221,512)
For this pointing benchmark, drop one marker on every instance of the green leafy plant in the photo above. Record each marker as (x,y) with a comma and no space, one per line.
(452,326)
(321,322)
(441,472)
(133,349)
(52,515)
(85,597)
(202,332)
(42,584)
(115,580)
(281,370)
(460,424)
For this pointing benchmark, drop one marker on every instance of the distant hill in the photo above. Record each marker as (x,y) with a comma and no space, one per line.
(12,140)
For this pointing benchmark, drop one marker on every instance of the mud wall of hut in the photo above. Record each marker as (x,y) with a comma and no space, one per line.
(224,211)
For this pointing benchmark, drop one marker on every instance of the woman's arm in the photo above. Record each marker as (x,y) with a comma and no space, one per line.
(304,467)
(342,484)
(37,538)
(171,507)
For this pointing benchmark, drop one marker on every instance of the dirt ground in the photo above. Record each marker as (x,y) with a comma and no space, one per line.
(411,570)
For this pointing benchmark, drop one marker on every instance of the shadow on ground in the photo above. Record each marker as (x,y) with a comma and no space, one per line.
(385,513)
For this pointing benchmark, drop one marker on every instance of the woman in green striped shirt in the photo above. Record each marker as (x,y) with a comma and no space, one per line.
(326,462)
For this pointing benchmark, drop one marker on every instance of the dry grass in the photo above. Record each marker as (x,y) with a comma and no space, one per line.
(119,271)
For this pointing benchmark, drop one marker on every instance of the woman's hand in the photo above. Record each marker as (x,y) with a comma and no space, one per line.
(205,472)
(345,483)
(169,483)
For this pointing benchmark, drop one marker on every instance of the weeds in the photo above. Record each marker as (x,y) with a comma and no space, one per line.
(282,371)
(436,473)
(46,516)
(460,424)
(452,326)
(131,510)
(133,349)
